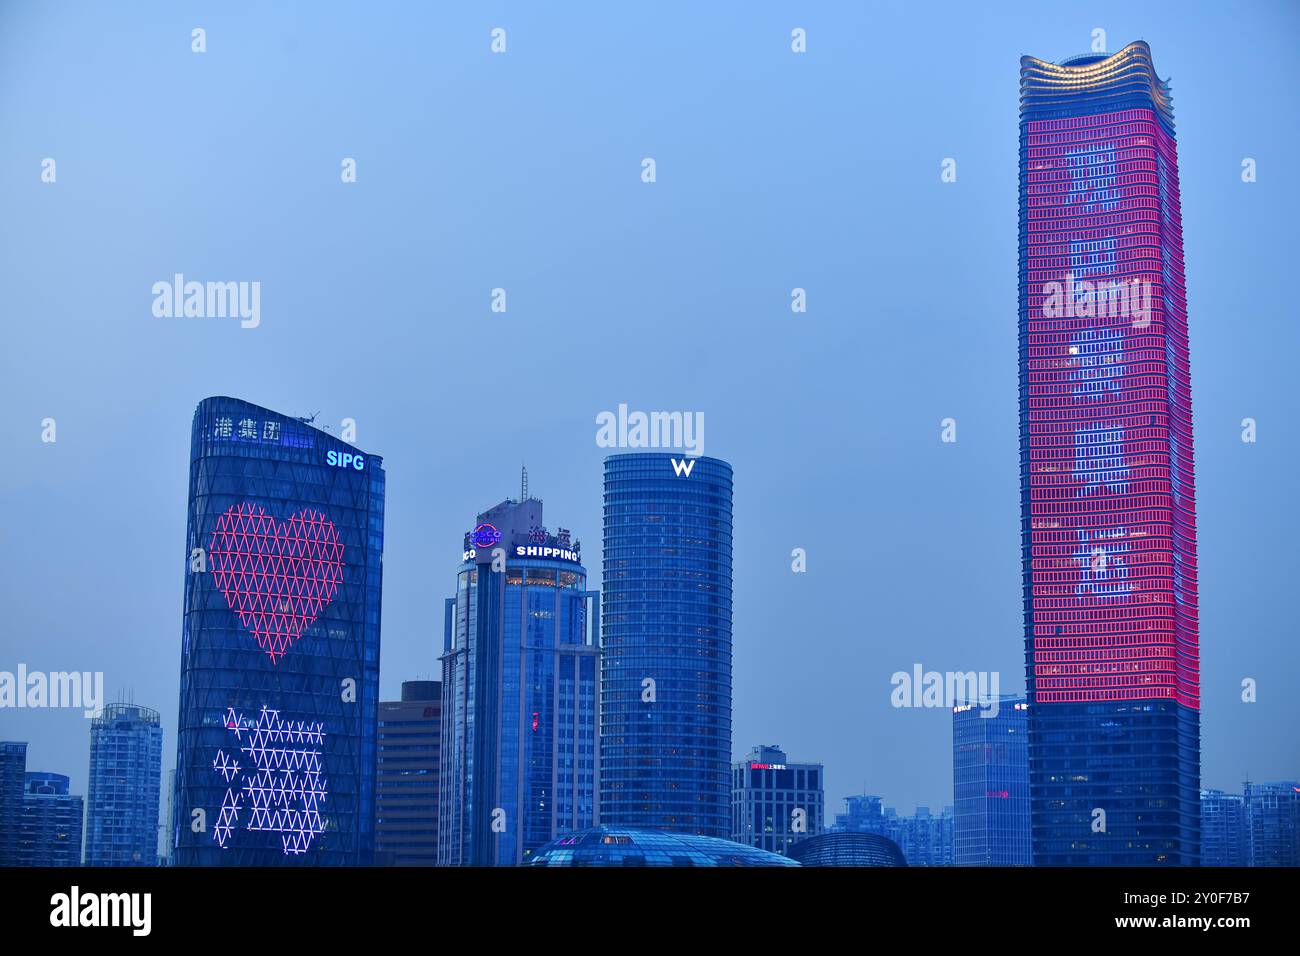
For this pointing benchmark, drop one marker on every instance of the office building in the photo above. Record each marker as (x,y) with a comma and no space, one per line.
(666,665)
(520,758)
(775,803)
(990,782)
(279,688)
(406,815)
(1108,499)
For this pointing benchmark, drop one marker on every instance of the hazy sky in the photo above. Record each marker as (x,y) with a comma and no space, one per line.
(523,171)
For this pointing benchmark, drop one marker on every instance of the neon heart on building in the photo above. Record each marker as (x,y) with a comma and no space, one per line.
(281,788)
(277,576)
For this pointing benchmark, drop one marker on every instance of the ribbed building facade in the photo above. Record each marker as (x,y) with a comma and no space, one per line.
(1107,489)
(666,665)
(279,686)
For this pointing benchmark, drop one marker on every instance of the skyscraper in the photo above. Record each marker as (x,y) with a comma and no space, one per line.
(520,759)
(279,692)
(406,801)
(990,783)
(125,785)
(775,803)
(13,771)
(51,829)
(1108,523)
(666,665)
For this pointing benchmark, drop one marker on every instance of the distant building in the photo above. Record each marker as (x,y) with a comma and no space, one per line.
(990,783)
(51,827)
(125,784)
(406,798)
(848,849)
(13,769)
(1224,839)
(630,846)
(1273,823)
(926,839)
(775,803)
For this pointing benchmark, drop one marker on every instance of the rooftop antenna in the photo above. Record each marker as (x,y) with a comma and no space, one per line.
(523,483)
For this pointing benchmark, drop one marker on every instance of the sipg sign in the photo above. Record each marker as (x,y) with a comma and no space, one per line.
(345,459)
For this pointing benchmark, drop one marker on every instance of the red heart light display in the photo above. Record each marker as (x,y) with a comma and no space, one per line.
(277,576)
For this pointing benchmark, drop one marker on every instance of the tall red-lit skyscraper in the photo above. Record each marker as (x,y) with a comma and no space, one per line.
(1107,494)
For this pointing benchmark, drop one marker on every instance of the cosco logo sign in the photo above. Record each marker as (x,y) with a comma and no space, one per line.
(344,459)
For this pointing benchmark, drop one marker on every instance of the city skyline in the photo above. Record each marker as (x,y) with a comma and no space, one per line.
(816,444)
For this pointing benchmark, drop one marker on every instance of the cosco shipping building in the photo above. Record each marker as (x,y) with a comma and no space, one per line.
(280,644)
(520,692)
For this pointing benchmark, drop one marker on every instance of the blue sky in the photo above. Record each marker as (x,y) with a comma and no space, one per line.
(522,171)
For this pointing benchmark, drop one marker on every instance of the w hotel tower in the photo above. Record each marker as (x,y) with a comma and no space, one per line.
(1108,523)
(275,761)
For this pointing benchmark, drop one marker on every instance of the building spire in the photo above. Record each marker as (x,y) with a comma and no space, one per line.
(523,483)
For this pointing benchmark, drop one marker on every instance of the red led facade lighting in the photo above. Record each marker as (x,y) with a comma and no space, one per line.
(277,576)
(1107,476)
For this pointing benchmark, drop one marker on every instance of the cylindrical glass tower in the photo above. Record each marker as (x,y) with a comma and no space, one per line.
(666,656)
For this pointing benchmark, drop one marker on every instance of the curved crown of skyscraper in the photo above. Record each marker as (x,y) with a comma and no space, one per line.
(280,645)
(666,659)
(1107,490)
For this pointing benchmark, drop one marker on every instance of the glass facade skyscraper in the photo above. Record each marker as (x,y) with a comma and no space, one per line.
(520,757)
(666,666)
(279,688)
(1108,524)
(990,784)
(125,786)
(52,817)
